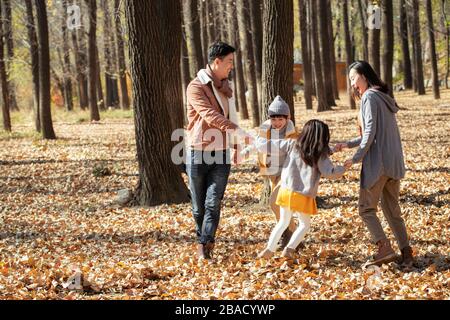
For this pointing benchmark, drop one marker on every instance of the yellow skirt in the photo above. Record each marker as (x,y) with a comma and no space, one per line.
(296,201)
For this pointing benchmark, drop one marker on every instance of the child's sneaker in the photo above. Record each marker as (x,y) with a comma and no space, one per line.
(265,254)
(288,253)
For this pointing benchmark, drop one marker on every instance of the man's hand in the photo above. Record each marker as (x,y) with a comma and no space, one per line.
(348,164)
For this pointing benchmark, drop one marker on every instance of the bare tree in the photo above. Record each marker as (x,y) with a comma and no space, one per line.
(125,99)
(417,49)
(193,41)
(247,53)
(348,50)
(34,54)
(68,96)
(388,53)
(407,73)
(44,71)
(4,82)
(159,179)
(9,40)
(306,54)
(92,54)
(434,67)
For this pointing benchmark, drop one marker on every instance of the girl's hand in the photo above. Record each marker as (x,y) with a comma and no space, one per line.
(348,164)
(339,147)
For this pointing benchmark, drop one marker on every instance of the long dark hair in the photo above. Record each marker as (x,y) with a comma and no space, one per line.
(312,143)
(373,80)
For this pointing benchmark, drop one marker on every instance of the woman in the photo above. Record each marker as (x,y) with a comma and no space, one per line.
(380,151)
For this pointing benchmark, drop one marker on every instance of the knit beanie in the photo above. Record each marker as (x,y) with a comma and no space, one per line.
(279,107)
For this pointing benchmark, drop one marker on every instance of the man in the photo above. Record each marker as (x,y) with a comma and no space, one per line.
(211,112)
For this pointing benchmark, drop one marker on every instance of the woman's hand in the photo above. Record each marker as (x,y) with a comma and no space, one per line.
(348,164)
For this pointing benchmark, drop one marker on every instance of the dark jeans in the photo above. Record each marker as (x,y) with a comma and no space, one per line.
(207,182)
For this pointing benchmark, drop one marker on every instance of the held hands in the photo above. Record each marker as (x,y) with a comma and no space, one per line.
(348,164)
(339,147)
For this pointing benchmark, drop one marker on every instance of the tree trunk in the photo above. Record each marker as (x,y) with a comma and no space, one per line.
(363,19)
(4,83)
(92,57)
(125,99)
(446,28)
(388,54)
(209,22)
(332,51)
(248,55)
(434,67)
(9,40)
(407,77)
(222,18)
(325,53)
(81,66)
(98,83)
(306,58)
(193,42)
(204,31)
(322,104)
(68,96)
(108,47)
(410,21)
(278,59)
(171,31)
(417,49)
(348,51)
(374,47)
(44,71)
(257,35)
(238,68)
(159,179)
(34,54)
(185,78)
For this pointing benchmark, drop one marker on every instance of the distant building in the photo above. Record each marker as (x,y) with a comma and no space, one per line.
(341,74)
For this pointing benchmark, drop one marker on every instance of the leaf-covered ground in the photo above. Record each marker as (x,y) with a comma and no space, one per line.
(58,217)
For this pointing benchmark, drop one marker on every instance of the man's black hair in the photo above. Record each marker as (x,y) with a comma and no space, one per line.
(219,50)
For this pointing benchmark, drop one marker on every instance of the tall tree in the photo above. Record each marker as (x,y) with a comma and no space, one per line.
(322,104)
(348,50)
(325,52)
(233,33)
(388,53)
(417,49)
(332,54)
(185,76)
(193,42)
(171,31)
(204,30)
(306,58)
(44,71)
(34,54)
(210,21)
(374,42)
(109,53)
(363,19)
(407,72)
(159,179)
(446,30)
(257,36)
(79,48)
(278,59)
(434,67)
(98,80)
(248,56)
(92,58)
(67,68)
(3,80)
(125,100)
(9,40)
